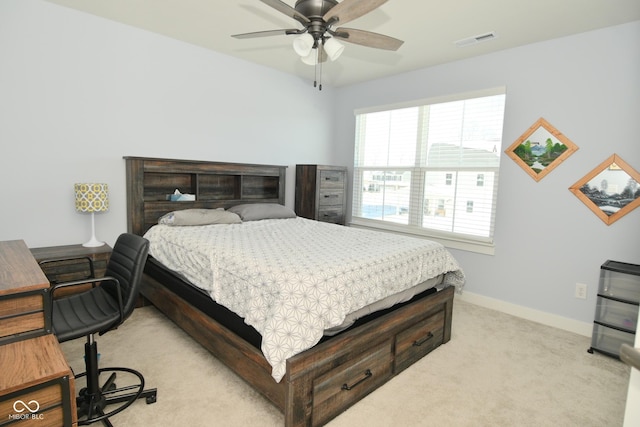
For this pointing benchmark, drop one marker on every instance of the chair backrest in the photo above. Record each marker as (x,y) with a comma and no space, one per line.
(126,264)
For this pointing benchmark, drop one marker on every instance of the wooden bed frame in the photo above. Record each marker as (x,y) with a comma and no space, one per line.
(321,382)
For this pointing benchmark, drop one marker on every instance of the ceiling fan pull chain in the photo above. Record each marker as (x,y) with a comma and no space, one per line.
(315,72)
(319,53)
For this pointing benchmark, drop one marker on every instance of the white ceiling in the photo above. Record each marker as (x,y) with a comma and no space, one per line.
(429,29)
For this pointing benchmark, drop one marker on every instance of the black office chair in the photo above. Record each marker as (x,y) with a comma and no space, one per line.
(98,310)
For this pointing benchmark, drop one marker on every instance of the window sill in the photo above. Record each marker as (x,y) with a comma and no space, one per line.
(485,248)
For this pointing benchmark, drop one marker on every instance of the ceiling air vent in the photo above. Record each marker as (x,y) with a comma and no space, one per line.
(476,39)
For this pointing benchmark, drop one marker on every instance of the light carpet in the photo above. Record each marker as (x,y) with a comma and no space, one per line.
(497,370)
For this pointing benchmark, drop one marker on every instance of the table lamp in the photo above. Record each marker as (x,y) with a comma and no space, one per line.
(91,197)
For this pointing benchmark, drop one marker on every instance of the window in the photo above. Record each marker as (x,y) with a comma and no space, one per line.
(469,206)
(431,168)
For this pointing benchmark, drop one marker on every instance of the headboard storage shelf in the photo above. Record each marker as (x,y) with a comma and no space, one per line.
(159,185)
(218,187)
(214,184)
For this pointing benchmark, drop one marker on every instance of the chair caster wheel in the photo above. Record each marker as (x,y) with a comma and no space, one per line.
(151,399)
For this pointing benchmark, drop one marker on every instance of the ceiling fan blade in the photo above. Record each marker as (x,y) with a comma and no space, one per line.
(367,38)
(348,10)
(287,10)
(266,33)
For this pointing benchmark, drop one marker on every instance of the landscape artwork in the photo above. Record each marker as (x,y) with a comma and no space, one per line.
(611,190)
(541,149)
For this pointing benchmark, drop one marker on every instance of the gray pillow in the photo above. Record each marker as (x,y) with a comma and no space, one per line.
(257,211)
(199,217)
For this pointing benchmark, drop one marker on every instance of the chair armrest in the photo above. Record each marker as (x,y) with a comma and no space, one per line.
(92,269)
(92,282)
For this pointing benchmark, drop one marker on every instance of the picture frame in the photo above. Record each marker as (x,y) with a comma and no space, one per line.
(611,190)
(541,149)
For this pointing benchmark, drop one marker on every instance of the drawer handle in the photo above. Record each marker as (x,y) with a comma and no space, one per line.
(418,343)
(367,374)
(326,196)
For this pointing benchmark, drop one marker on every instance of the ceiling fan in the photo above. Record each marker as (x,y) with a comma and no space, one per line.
(318,18)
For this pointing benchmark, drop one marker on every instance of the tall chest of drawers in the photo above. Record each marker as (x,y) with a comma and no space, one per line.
(321,193)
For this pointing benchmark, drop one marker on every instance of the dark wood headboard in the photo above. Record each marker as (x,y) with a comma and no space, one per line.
(215,185)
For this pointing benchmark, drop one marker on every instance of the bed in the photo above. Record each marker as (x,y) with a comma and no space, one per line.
(310,384)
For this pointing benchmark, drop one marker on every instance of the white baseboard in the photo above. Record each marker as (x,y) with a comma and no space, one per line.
(564,323)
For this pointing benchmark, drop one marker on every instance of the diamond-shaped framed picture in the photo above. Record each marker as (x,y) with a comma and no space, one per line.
(611,190)
(541,149)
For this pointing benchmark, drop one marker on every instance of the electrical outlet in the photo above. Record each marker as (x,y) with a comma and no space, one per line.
(581,291)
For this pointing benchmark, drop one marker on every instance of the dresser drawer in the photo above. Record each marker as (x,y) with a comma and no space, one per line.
(336,390)
(334,215)
(331,198)
(332,179)
(418,340)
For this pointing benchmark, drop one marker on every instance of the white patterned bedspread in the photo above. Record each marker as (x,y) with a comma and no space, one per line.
(293,278)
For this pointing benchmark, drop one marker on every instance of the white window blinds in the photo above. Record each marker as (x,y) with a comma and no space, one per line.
(431,168)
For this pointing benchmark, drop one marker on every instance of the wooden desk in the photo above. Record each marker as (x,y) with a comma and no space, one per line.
(36,383)
(24,294)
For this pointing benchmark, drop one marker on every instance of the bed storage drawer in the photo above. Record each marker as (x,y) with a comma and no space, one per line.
(344,385)
(418,340)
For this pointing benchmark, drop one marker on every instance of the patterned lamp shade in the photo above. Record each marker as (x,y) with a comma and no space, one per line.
(92,197)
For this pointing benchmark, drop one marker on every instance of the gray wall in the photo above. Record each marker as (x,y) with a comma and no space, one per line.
(79,92)
(546,240)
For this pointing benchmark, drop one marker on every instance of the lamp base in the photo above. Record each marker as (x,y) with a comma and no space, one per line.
(93,243)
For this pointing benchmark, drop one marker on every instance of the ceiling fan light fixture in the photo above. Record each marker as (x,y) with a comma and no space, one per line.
(303,44)
(333,48)
(311,58)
